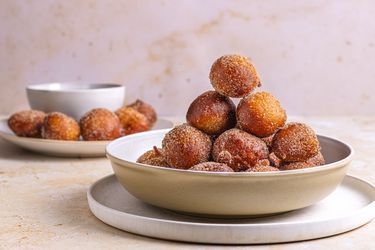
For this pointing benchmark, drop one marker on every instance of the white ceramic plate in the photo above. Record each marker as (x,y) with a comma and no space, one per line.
(350,206)
(64,148)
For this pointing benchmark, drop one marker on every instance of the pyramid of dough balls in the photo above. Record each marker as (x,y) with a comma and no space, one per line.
(252,137)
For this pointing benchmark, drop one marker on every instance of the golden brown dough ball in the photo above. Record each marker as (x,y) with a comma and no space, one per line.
(262,169)
(100,125)
(58,126)
(154,157)
(234,76)
(317,160)
(27,123)
(239,150)
(268,140)
(212,113)
(211,166)
(132,121)
(185,146)
(274,160)
(295,142)
(260,114)
(145,109)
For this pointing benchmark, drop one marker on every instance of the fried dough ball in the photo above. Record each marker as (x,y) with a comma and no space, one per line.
(262,166)
(239,150)
(58,126)
(262,169)
(185,146)
(145,109)
(234,76)
(132,121)
(27,123)
(295,142)
(268,140)
(212,167)
(153,157)
(274,160)
(100,125)
(212,113)
(260,114)
(317,160)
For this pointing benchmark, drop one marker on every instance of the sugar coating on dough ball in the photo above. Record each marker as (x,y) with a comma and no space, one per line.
(260,114)
(154,157)
(99,125)
(211,166)
(212,113)
(295,142)
(27,123)
(58,126)
(145,109)
(132,120)
(239,150)
(234,76)
(185,146)
(314,161)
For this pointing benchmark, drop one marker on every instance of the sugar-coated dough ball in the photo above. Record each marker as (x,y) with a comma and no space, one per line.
(146,109)
(154,157)
(295,142)
(212,113)
(239,150)
(260,114)
(314,161)
(58,126)
(185,146)
(100,125)
(27,123)
(132,120)
(234,76)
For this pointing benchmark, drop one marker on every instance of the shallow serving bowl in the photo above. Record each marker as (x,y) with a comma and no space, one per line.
(225,194)
(75,99)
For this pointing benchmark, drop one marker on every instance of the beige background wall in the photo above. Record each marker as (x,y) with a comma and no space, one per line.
(317,57)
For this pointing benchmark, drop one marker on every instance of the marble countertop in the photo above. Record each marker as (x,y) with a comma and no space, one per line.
(43,199)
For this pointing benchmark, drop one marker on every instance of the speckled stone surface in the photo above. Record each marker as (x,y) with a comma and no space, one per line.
(43,199)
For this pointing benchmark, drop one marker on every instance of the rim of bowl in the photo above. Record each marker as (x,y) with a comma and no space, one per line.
(324,167)
(71,87)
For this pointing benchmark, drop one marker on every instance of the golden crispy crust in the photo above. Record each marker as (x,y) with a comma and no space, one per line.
(100,125)
(268,140)
(58,126)
(314,161)
(27,123)
(295,142)
(132,121)
(145,109)
(234,76)
(212,113)
(185,146)
(153,157)
(274,160)
(239,150)
(260,114)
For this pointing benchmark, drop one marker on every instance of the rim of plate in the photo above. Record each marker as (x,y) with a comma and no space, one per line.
(369,207)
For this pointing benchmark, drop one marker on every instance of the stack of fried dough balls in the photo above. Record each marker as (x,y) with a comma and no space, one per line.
(252,137)
(99,124)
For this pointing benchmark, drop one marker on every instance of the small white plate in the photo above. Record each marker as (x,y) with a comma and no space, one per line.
(350,206)
(64,148)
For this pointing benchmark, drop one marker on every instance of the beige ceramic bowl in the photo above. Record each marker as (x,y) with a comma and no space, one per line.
(225,194)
